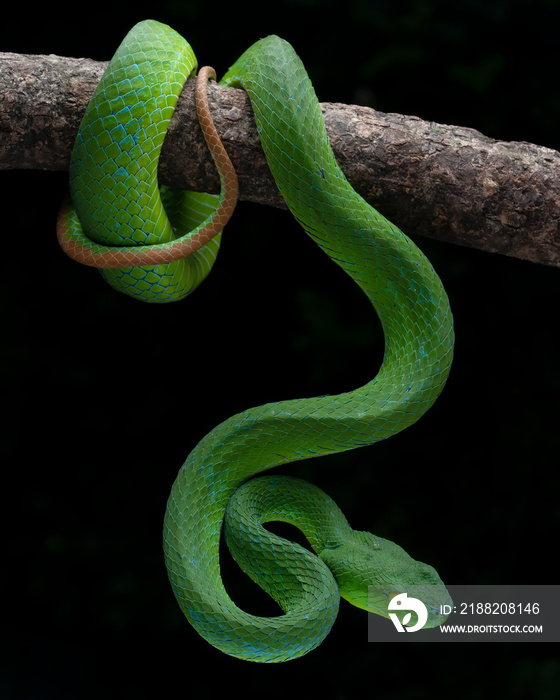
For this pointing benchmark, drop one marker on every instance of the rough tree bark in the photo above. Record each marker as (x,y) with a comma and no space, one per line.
(445,182)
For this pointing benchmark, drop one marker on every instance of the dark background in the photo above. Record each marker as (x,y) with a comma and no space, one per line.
(104,397)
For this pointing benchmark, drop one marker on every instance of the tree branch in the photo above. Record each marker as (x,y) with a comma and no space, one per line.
(445,182)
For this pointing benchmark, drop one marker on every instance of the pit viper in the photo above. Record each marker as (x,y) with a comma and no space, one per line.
(157,244)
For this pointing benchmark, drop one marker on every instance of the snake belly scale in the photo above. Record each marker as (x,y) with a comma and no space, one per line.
(216,485)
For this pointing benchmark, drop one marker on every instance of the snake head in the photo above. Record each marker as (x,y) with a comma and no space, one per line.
(366,560)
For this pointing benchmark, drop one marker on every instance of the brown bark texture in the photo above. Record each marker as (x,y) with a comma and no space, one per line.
(446,182)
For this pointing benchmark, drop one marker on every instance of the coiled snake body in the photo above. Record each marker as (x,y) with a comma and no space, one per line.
(120,139)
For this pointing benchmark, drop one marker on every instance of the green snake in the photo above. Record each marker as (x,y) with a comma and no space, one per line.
(118,218)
